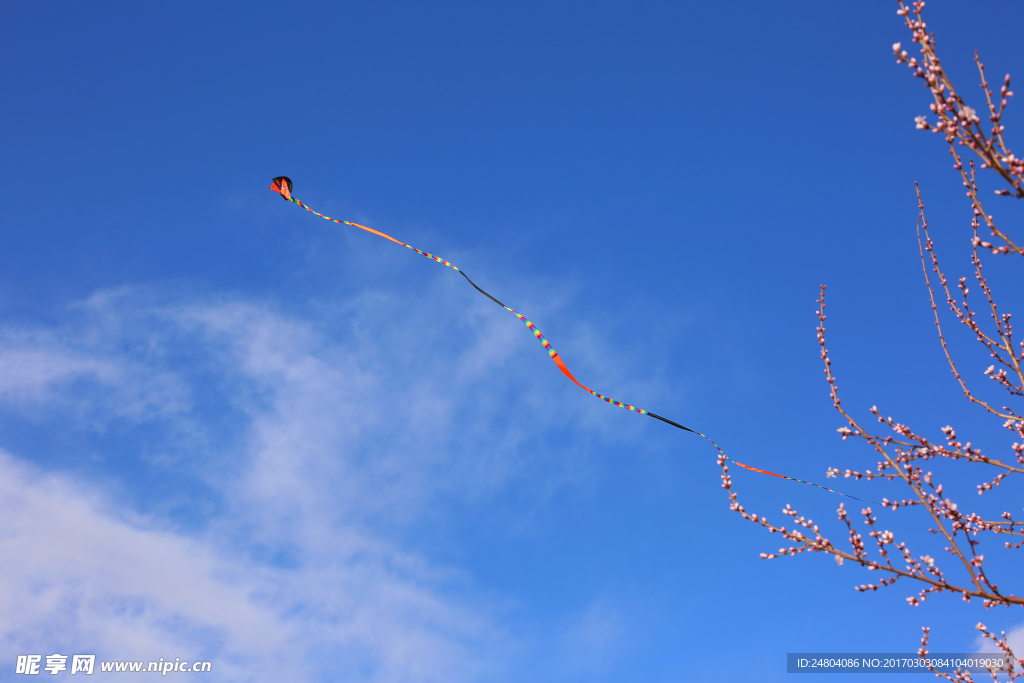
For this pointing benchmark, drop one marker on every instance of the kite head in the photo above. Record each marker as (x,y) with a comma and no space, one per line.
(283,185)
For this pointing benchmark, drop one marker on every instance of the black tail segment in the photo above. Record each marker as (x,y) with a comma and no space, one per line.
(482,291)
(656,417)
(674,424)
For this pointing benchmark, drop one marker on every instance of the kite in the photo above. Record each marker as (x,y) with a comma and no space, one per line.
(283,186)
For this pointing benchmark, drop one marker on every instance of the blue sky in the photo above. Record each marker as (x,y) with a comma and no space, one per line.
(303,453)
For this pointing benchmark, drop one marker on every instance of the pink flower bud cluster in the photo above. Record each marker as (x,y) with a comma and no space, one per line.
(960,123)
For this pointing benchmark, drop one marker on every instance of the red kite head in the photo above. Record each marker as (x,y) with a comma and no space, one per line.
(282,184)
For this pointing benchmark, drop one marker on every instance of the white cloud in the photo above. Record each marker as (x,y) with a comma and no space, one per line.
(92,580)
(344,602)
(345,429)
(41,370)
(29,371)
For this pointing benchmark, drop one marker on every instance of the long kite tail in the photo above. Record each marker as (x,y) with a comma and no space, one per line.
(551,352)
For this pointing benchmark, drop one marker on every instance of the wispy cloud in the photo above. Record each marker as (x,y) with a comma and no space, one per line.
(92,578)
(39,367)
(289,579)
(297,454)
